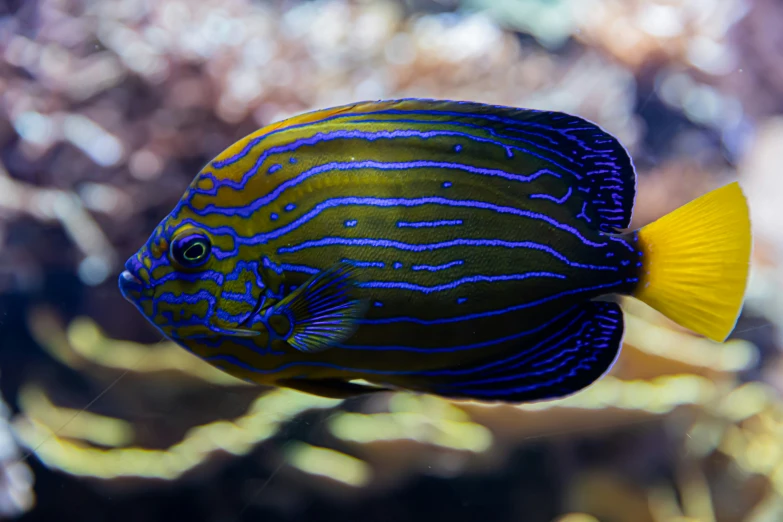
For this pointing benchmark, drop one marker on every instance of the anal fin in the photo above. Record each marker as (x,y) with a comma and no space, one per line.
(578,350)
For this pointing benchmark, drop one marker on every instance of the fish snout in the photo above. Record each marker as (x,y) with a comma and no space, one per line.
(128,277)
(130,285)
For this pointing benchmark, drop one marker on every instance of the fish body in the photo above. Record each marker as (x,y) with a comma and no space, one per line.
(453,248)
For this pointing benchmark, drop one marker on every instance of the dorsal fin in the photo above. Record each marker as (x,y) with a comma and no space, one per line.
(601,171)
(608,177)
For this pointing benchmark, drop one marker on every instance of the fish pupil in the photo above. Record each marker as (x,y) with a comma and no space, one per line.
(190,252)
(195,251)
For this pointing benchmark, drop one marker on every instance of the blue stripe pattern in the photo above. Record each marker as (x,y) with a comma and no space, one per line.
(477,236)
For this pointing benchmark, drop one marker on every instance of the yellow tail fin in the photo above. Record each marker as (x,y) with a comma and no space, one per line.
(696,262)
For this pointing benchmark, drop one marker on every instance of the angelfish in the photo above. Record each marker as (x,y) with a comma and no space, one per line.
(453,248)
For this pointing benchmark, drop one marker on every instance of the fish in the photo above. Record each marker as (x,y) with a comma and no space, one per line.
(454,248)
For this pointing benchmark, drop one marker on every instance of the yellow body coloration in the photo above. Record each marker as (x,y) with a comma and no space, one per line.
(696,262)
(444,247)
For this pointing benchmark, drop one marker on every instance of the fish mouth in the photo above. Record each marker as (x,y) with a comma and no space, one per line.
(131,286)
(127,276)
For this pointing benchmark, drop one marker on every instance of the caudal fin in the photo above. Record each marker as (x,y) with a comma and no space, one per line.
(696,261)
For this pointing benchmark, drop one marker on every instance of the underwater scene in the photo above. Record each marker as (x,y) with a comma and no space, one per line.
(391,260)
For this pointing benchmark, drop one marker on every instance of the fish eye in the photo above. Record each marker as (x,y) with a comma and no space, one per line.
(190,249)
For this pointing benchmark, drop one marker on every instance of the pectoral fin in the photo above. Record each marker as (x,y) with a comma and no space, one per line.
(322,312)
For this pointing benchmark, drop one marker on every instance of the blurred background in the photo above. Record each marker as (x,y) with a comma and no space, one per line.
(108,108)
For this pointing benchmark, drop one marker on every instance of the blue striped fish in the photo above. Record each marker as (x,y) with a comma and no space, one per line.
(452,248)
